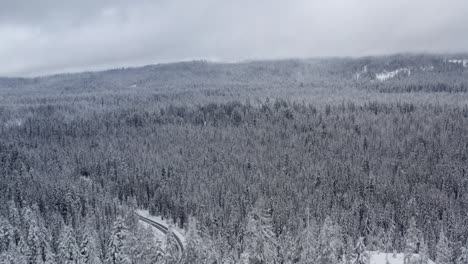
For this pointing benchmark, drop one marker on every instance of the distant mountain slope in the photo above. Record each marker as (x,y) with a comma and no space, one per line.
(396,73)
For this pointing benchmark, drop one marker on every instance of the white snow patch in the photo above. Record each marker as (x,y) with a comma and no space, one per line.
(464,62)
(177,231)
(398,258)
(427,68)
(15,122)
(383,76)
(133,86)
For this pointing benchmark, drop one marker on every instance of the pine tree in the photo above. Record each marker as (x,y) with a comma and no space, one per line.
(89,248)
(308,243)
(13,213)
(194,250)
(7,235)
(330,243)
(362,257)
(145,248)
(411,240)
(38,240)
(15,218)
(68,250)
(423,252)
(23,247)
(117,247)
(131,217)
(348,250)
(388,238)
(260,242)
(463,258)
(289,248)
(443,251)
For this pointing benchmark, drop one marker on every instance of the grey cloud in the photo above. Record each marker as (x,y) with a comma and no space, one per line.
(49,36)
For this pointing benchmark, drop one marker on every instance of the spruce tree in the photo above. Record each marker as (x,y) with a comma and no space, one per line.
(260,242)
(411,240)
(309,243)
(117,247)
(423,252)
(89,247)
(7,235)
(194,250)
(68,250)
(330,243)
(38,241)
(463,257)
(23,247)
(388,238)
(14,218)
(145,248)
(443,251)
(361,255)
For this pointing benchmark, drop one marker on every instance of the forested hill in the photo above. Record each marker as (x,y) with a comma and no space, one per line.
(293,161)
(389,74)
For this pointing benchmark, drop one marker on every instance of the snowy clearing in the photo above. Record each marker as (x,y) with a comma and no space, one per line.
(464,62)
(383,76)
(381,258)
(427,68)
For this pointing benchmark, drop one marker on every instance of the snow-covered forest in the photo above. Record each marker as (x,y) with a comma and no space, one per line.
(293,161)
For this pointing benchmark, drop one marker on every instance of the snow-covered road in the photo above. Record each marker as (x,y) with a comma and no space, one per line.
(161,226)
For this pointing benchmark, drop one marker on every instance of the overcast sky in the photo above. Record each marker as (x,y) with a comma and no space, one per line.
(50,36)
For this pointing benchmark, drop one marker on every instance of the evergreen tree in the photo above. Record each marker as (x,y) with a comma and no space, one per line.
(117,252)
(131,217)
(388,238)
(463,258)
(195,251)
(376,239)
(23,247)
(7,235)
(260,242)
(423,252)
(15,219)
(38,240)
(361,255)
(443,251)
(89,247)
(289,248)
(68,250)
(411,240)
(309,243)
(330,243)
(145,248)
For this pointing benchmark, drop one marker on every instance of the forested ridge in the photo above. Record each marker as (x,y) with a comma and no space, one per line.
(255,175)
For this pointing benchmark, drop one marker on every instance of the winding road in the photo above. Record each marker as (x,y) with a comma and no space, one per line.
(164,229)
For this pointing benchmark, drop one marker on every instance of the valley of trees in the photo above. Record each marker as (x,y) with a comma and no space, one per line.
(255,174)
